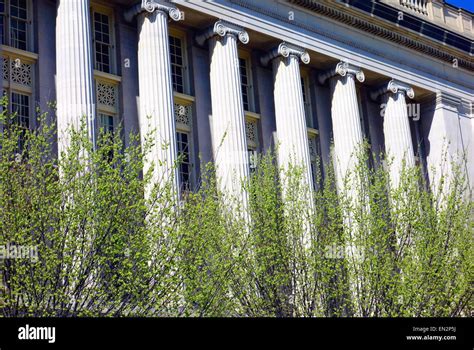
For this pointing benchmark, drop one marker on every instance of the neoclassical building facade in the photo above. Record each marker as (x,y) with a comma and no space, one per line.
(224,80)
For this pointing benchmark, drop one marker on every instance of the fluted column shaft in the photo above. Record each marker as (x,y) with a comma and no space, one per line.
(348,138)
(74,69)
(292,132)
(156,115)
(346,121)
(229,139)
(396,129)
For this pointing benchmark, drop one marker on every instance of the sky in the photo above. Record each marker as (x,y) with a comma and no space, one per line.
(465,4)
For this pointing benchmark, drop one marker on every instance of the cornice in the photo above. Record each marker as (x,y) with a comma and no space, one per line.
(355,19)
(223,28)
(342,69)
(363,25)
(151,6)
(286,50)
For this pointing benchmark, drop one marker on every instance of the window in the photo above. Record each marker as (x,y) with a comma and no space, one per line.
(15,23)
(106,82)
(183,109)
(251,131)
(184,156)
(364,122)
(306,101)
(244,79)
(21,108)
(18,24)
(107,104)
(253,160)
(183,113)
(106,123)
(17,81)
(106,130)
(313,154)
(177,63)
(17,66)
(303,87)
(2,20)
(245,68)
(102,42)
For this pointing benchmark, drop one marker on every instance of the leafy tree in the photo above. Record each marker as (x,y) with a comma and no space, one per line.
(104,248)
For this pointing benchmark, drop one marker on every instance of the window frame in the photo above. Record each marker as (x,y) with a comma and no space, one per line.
(108,78)
(181,35)
(246,56)
(306,90)
(7,26)
(253,118)
(112,80)
(100,115)
(3,14)
(187,101)
(10,105)
(252,146)
(109,12)
(313,134)
(10,87)
(364,122)
(190,162)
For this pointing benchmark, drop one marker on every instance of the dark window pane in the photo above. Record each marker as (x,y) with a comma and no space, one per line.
(245,85)
(102,42)
(20,107)
(177,63)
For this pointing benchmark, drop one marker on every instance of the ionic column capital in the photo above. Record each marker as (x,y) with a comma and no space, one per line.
(342,69)
(151,6)
(223,28)
(286,50)
(393,86)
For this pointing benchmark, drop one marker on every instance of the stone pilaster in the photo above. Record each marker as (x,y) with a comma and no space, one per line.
(448,132)
(229,139)
(74,69)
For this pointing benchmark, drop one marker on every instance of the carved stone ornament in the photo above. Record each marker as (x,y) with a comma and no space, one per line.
(286,50)
(223,28)
(154,5)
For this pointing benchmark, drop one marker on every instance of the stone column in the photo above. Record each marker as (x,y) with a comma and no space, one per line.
(156,114)
(396,127)
(229,139)
(74,69)
(292,132)
(348,138)
(346,121)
